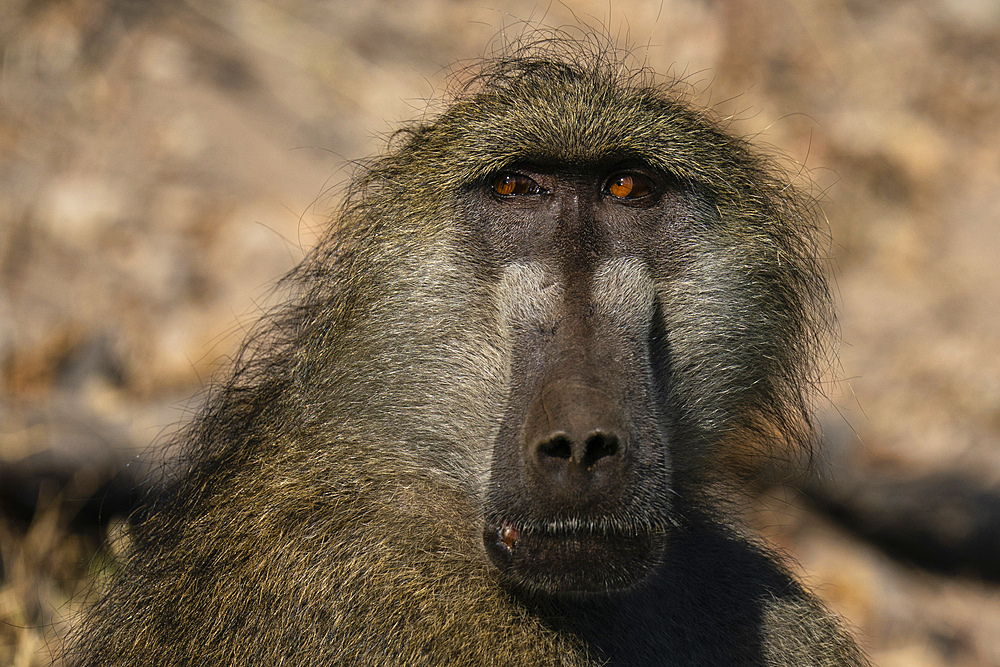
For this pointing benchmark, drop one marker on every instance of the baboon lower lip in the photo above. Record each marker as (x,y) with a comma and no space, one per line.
(582,557)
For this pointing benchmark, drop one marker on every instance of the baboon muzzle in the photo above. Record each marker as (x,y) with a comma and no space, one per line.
(575,441)
(579,469)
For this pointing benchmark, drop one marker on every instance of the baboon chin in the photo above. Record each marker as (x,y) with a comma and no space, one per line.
(585,558)
(486,430)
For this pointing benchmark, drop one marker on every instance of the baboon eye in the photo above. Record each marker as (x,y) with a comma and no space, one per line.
(629,186)
(509,184)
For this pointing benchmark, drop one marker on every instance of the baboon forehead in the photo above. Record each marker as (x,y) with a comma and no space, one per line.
(583,119)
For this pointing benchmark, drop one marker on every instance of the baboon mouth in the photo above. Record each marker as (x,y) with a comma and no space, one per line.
(583,557)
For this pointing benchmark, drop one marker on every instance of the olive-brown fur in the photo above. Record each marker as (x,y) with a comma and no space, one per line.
(341,488)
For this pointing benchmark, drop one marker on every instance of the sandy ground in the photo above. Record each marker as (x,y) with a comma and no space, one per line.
(163,163)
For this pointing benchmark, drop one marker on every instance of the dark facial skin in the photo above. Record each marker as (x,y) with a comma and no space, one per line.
(581,472)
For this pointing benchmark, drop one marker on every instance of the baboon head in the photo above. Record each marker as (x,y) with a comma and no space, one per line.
(491,425)
(564,295)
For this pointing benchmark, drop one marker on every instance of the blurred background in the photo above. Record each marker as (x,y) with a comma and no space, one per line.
(163,163)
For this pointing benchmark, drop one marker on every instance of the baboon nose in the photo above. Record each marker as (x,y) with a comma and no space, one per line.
(575,443)
(585,453)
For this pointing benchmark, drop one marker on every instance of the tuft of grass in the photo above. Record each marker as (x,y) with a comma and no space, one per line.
(47,574)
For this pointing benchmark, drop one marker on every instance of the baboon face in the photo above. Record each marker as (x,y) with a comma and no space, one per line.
(581,472)
(590,288)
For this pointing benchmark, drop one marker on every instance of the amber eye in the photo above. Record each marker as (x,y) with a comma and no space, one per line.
(629,186)
(512,185)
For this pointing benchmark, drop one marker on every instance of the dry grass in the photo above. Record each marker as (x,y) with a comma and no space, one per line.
(47,571)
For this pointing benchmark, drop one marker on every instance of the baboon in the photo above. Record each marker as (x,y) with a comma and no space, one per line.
(487,429)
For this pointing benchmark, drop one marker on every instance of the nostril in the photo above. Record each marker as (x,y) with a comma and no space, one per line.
(556,447)
(598,446)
